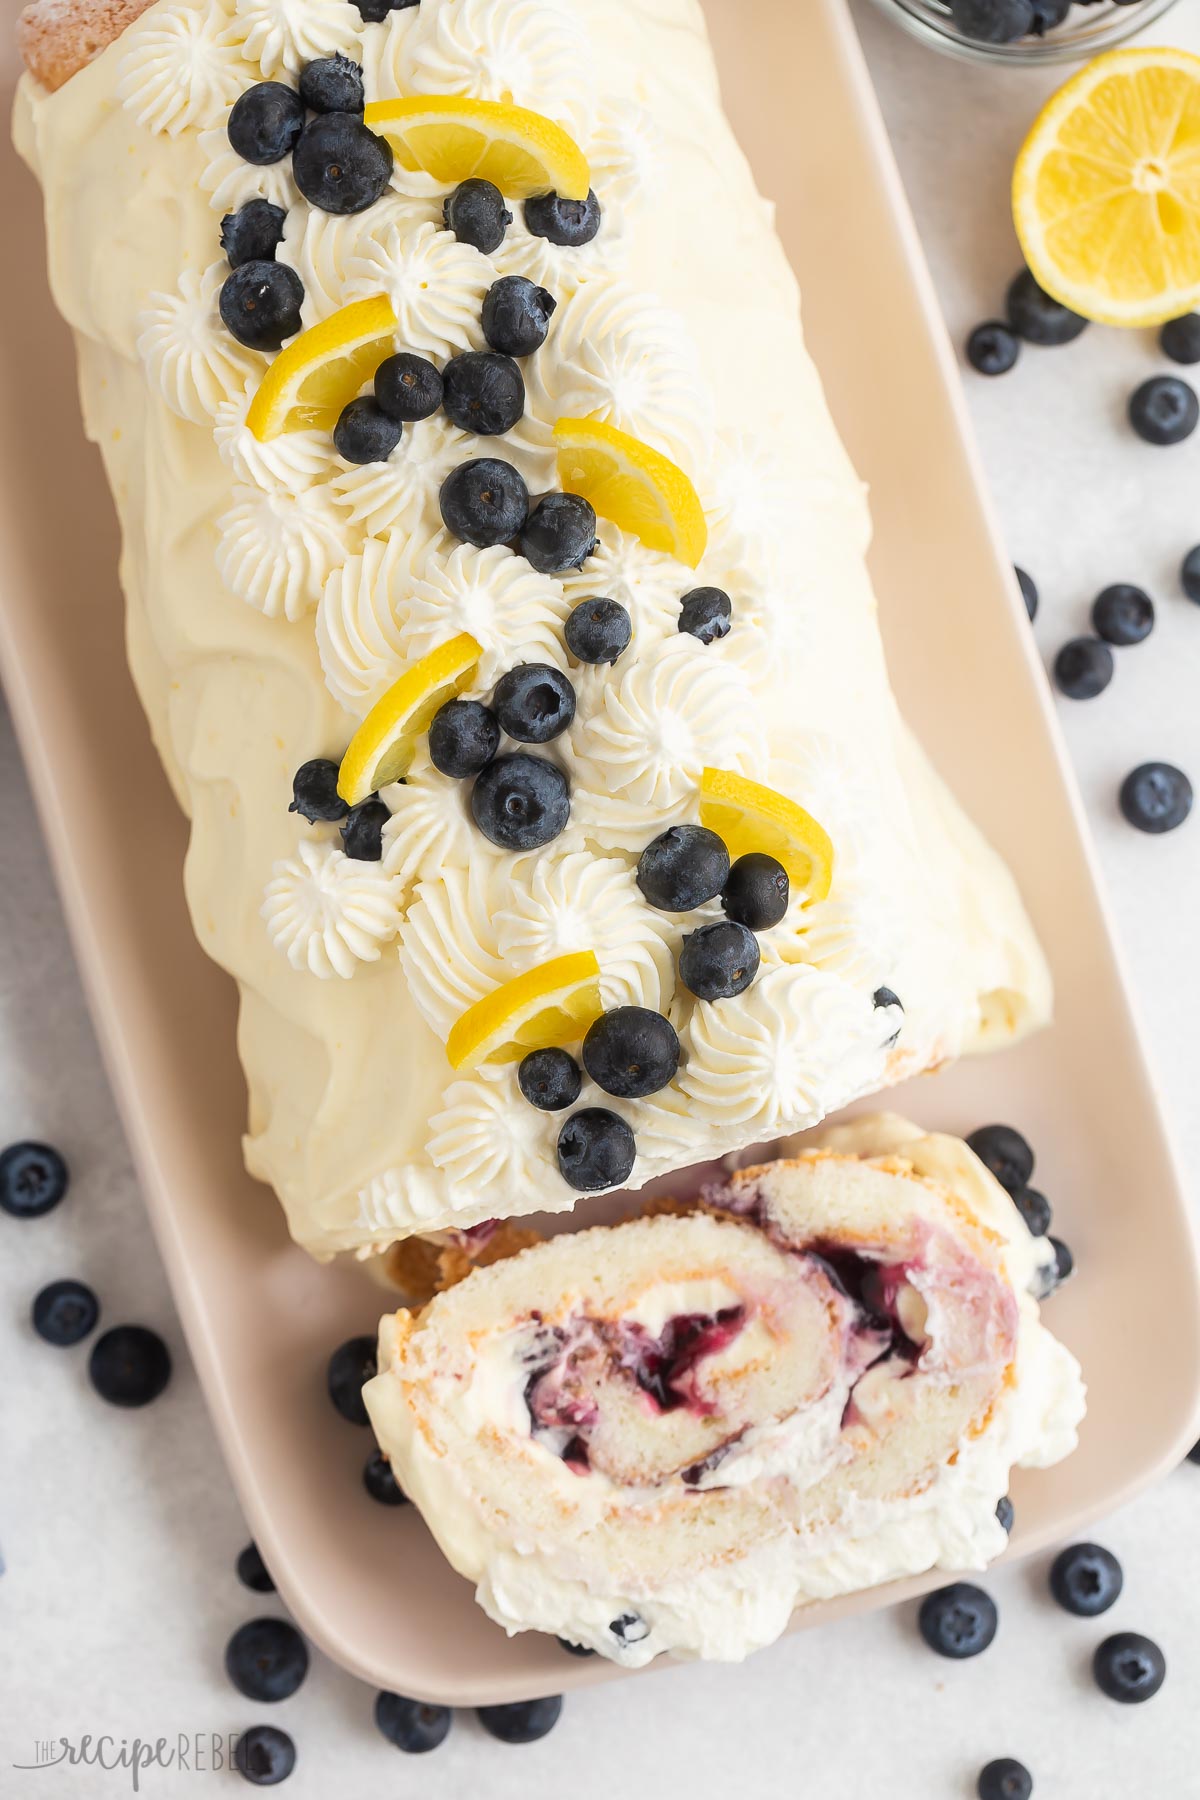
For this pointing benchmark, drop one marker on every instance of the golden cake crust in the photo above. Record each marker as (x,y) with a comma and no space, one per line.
(57,38)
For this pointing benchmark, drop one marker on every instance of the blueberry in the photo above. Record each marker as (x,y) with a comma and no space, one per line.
(596,1149)
(1086,1579)
(65,1312)
(719,960)
(559,534)
(598,630)
(265,122)
(575,1649)
(1029,593)
(314,792)
(463,738)
(706,613)
(1005,1513)
(1164,410)
(958,1621)
(350,1367)
(549,1079)
(1064,1261)
(682,868)
(1049,14)
(264,1755)
(364,433)
(475,212)
(993,348)
(374,12)
(381,1483)
(408,387)
(412,1725)
(1156,797)
(362,834)
(484,502)
(483,392)
(252,1571)
(339,165)
(333,84)
(630,1628)
(266,1659)
(568,223)
(521,1721)
(883,1000)
(1038,318)
(1006,1153)
(534,703)
(1083,668)
(1180,338)
(253,233)
(1034,1208)
(1189,574)
(129,1365)
(260,304)
(756,892)
(1123,614)
(631,1052)
(33,1179)
(516,315)
(1193,1454)
(521,802)
(993,21)
(1129,1667)
(1006,1779)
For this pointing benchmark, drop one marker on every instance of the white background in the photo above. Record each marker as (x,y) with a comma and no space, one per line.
(120,1530)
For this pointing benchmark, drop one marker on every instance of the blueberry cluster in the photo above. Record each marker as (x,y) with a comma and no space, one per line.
(1009,1156)
(475,212)
(1006,21)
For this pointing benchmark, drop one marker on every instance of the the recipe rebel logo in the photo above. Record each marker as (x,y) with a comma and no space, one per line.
(194,1753)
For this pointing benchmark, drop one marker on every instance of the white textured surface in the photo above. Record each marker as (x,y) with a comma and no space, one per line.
(120,1530)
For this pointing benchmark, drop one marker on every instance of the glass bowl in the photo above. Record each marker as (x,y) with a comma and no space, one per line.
(1086,31)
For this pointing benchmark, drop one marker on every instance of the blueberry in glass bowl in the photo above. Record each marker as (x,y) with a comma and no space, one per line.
(1024,31)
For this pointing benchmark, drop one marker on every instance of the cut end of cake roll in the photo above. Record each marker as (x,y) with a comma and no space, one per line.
(665,1435)
(57,38)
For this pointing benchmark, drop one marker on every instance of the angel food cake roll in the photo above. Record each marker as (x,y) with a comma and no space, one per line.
(496,593)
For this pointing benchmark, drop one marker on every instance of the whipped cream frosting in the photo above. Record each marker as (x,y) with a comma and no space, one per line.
(179,68)
(329,913)
(187,352)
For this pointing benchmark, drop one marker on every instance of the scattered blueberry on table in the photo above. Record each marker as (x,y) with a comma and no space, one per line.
(1180,339)
(264,1755)
(412,1725)
(1156,797)
(381,1483)
(1189,574)
(1029,592)
(252,1571)
(1129,1667)
(129,1365)
(1005,1779)
(1083,668)
(33,1179)
(1164,410)
(65,1312)
(1123,614)
(266,1659)
(993,348)
(522,1721)
(1038,317)
(1086,1579)
(958,1621)
(351,1365)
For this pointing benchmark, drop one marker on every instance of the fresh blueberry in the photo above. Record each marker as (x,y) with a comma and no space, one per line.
(516,315)
(631,1052)
(362,834)
(1048,15)
(682,868)
(483,392)
(550,1079)
(706,613)
(266,1659)
(598,630)
(351,1366)
(463,738)
(264,1755)
(959,1620)
(993,21)
(521,802)
(260,304)
(1006,1153)
(1164,410)
(1006,1779)
(630,1628)
(333,84)
(364,433)
(884,1000)
(1129,1667)
(521,1721)
(756,892)
(719,960)
(339,164)
(475,212)
(1156,797)
(1034,1208)
(65,1312)
(1029,593)
(1064,1261)
(993,348)
(1083,668)
(1005,1514)
(534,703)
(1193,1454)
(314,792)
(559,534)
(129,1365)
(381,1483)
(1180,338)
(1038,318)
(265,122)
(408,387)
(253,233)
(596,1149)
(484,502)
(1189,574)
(1086,1579)
(33,1179)
(252,1571)
(568,223)
(374,12)
(412,1725)
(575,1649)
(1123,614)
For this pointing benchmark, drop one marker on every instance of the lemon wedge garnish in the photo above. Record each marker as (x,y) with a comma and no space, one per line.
(749,817)
(1106,190)
(382,748)
(637,488)
(552,1004)
(321,371)
(452,138)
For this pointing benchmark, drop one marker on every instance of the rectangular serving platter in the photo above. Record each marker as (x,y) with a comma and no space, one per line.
(366,1583)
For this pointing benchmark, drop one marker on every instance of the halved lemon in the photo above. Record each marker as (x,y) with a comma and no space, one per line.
(552,1004)
(382,748)
(452,138)
(637,488)
(749,817)
(1106,190)
(321,371)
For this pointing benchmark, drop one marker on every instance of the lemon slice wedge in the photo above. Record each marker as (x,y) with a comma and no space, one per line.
(382,748)
(749,817)
(551,1004)
(452,138)
(637,488)
(1106,190)
(321,371)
